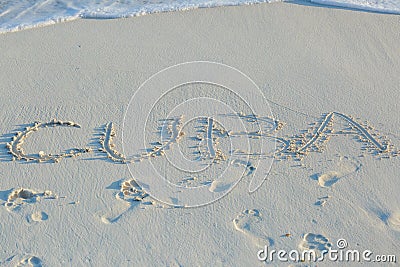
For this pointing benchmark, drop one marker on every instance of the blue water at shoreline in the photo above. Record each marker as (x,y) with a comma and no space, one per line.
(23,14)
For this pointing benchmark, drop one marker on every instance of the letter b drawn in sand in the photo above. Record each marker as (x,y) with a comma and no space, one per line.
(204,108)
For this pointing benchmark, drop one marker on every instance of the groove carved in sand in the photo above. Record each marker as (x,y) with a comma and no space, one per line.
(301,145)
(108,145)
(291,147)
(15,146)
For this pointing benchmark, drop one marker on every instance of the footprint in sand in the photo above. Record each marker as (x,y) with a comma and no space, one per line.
(249,222)
(219,186)
(38,216)
(131,191)
(32,261)
(321,201)
(394,221)
(315,242)
(22,196)
(344,167)
(131,195)
(328,179)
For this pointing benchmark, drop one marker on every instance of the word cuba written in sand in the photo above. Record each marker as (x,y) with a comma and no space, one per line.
(294,147)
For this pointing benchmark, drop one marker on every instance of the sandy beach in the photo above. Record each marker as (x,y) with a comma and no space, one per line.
(330,77)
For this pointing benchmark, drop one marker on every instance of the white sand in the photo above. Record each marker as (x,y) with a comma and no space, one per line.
(307,61)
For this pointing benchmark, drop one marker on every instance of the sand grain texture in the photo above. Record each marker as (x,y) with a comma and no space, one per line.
(307,60)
